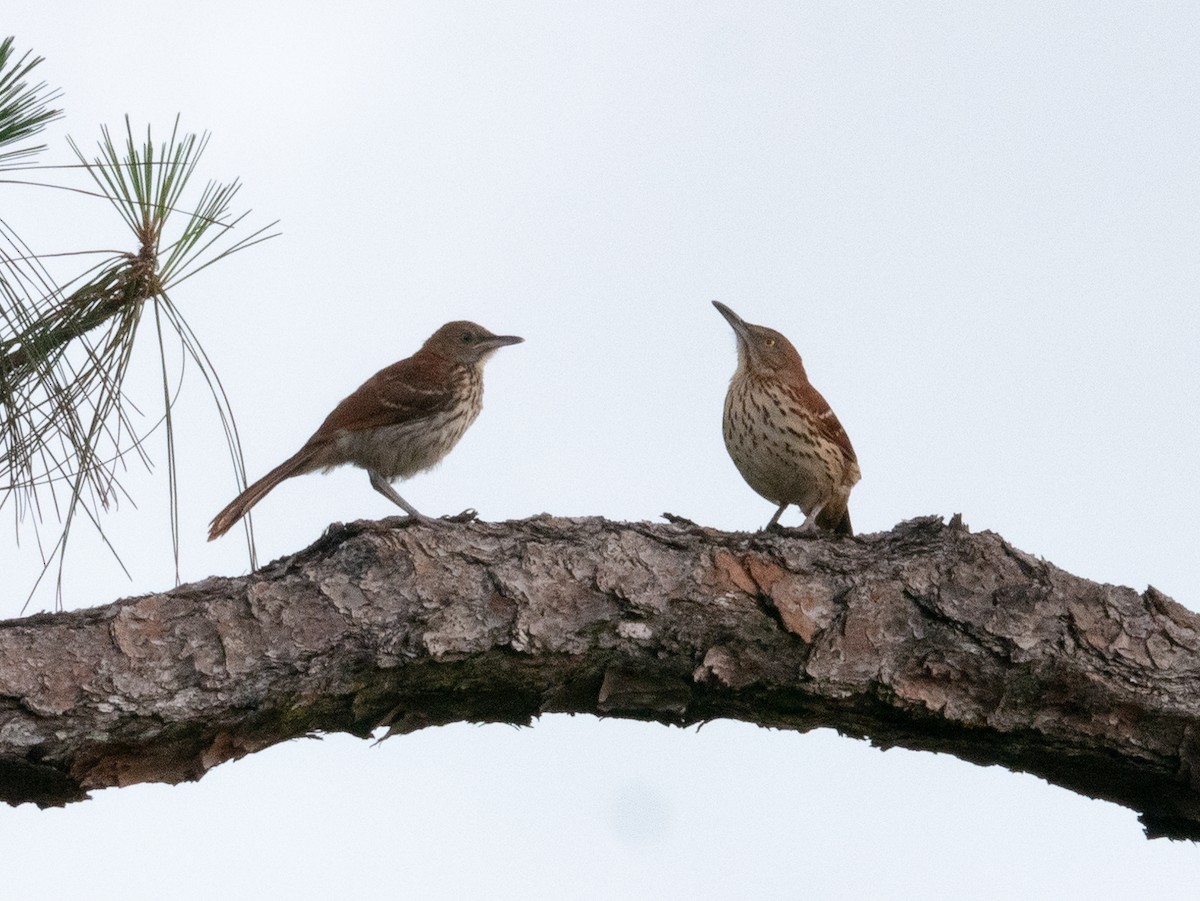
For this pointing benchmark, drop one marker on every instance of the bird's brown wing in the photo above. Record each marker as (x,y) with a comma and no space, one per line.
(835,516)
(827,422)
(403,392)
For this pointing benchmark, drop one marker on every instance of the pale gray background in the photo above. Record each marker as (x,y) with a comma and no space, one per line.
(978,222)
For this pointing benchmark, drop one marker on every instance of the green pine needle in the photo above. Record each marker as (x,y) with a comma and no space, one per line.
(24,108)
(68,426)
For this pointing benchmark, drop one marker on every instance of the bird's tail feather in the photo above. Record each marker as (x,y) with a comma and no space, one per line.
(837,521)
(843,527)
(299,463)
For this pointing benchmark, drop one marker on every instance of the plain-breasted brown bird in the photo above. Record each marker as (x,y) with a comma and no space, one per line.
(402,420)
(782,435)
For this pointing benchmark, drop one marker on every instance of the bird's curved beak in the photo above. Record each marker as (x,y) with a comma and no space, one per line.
(740,328)
(496,341)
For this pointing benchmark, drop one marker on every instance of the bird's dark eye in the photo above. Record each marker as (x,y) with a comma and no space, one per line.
(467,337)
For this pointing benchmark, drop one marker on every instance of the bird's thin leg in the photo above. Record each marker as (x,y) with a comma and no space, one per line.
(775,519)
(810,521)
(380,484)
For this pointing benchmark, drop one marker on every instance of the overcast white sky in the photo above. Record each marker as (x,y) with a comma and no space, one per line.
(977,222)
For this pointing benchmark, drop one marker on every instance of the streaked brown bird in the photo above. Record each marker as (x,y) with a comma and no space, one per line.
(782,435)
(402,420)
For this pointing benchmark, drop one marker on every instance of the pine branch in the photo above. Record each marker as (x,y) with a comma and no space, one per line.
(927,637)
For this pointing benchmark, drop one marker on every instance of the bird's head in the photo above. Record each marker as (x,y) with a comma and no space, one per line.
(760,349)
(466,343)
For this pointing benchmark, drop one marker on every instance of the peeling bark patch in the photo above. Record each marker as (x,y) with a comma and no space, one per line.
(57,691)
(721,665)
(936,684)
(730,574)
(628,692)
(629,567)
(557,621)
(858,657)
(228,746)
(805,609)
(805,605)
(154,762)
(137,627)
(241,641)
(346,595)
(296,628)
(479,625)
(635,631)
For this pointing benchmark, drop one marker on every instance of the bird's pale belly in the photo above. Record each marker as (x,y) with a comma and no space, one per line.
(773,454)
(400,451)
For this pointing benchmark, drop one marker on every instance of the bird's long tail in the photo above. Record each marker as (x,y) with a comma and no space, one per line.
(298,464)
(838,521)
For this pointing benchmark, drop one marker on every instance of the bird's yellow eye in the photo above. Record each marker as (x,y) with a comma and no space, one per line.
(770,342)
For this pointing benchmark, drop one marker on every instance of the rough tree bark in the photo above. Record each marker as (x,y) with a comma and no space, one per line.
(928,637)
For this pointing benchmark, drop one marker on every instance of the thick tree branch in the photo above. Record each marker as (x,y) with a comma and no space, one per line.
(927,637)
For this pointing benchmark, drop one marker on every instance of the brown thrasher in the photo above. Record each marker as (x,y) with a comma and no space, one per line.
(402,420)
(783,437)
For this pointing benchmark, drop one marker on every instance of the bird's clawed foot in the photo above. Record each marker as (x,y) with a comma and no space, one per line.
(420,519)
(807,529)
(678,520)
(415,519)
(804,530)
